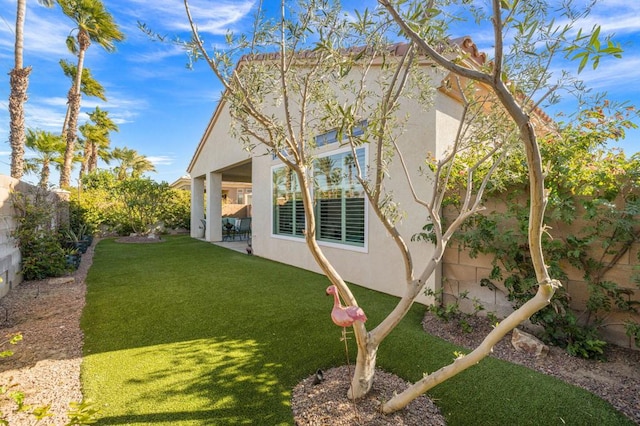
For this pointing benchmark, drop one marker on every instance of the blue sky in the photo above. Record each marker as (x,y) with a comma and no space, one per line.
(162,108)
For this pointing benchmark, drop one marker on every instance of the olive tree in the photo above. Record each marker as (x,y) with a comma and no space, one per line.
(310,70)
(142,201)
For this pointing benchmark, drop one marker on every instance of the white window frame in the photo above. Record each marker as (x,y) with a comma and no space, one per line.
(364,248)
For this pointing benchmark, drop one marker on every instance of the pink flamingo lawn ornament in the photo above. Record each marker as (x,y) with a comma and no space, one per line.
(344,316)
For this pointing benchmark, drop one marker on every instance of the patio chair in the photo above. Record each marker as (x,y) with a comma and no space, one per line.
(228,228)
(244,228)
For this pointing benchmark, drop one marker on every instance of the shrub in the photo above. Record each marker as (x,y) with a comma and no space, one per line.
(130,205)
(586,182)
(40,247)
(176,213)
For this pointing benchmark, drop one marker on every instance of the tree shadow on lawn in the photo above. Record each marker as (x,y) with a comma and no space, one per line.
(221,380)
(214,344)
(212,341)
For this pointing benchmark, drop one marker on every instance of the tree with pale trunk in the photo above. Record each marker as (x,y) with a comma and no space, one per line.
(93,24)
(314,69)
(19,82)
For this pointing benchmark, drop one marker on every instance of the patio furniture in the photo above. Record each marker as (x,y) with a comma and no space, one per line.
(244,228)
(228,228)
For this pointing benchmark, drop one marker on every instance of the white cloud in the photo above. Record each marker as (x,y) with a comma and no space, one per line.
(55,101)
(211,17)
(48,113)
(620,16)
(159,54)
(160,160)
(48,33)
(217,20)
(43,116)
(614,74)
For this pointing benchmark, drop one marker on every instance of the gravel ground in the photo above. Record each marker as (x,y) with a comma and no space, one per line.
(46,365)
(325,403)
(617,380)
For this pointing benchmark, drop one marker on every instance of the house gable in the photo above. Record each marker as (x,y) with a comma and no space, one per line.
(372,264)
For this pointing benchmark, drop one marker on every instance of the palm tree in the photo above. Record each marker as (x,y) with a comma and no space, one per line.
(96,140)
(93,24)
(100,147)
(89,86)
(130,159)
(50,150)
(19,81)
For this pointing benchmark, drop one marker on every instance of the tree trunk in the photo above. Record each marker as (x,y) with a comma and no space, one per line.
(85,165)
(365,370)
(19,81)
(73,110)
(44,175)
(538,202)
(93,157)
(539,301)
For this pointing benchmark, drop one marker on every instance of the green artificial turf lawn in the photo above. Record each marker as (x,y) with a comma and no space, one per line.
(188,333)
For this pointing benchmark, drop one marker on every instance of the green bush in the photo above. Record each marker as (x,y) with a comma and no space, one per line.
(40,247)
(42,257)
(176,213)
(131,205)
(588,182)
(94,205)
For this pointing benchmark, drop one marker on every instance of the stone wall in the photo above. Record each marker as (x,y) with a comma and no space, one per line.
(462,273)
(9,252)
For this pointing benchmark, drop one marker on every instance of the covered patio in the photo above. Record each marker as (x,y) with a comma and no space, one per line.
(207,200)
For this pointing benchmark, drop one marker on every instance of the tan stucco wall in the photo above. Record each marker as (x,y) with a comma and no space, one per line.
(9,253)
(219,151)
(379,265)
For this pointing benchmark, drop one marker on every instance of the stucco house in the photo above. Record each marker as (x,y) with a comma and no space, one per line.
(350,235)
(183,183)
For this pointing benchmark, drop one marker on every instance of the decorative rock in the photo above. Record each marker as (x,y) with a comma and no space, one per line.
(525,342)
(61,280)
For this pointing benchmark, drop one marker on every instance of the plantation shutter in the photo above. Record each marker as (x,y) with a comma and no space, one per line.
(288,208)
(340,199)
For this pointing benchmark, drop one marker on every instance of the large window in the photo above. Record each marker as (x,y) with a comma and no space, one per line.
(339,200)
(288,210)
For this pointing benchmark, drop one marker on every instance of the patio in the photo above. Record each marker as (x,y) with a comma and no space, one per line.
(236,245)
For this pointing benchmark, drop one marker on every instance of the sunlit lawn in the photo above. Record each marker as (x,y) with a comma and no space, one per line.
(184,332)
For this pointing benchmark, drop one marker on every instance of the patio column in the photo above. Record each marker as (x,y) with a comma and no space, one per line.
(197,207)
(214,207)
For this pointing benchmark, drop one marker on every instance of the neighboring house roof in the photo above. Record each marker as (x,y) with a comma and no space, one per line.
(183,182)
